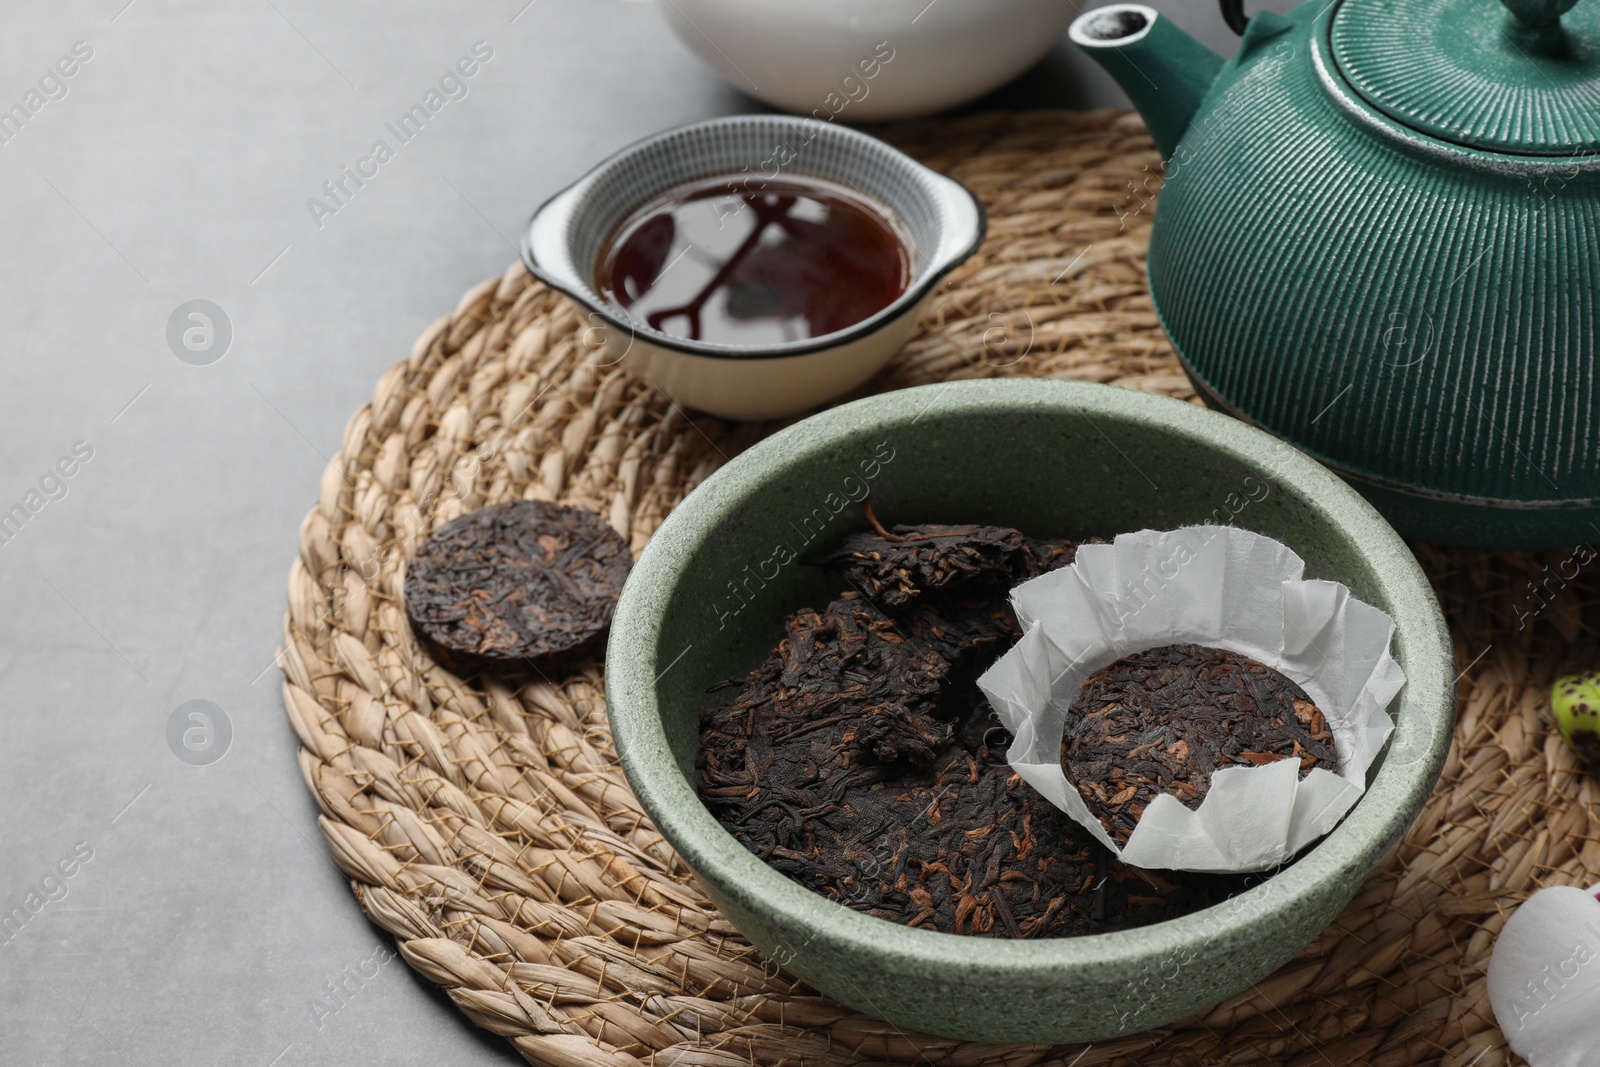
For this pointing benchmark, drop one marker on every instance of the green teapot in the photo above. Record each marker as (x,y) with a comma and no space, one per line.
(1379,239)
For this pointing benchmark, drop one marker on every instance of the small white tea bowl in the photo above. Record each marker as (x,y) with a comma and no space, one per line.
(864,62)
(939,219)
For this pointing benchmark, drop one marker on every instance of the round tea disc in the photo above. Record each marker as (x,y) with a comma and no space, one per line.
(515,583)
(1162,720)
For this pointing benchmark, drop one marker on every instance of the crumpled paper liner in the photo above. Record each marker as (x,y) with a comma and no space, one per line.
(1226,588)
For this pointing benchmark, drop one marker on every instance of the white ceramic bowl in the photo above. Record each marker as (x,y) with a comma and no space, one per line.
(866,60)
(940,220)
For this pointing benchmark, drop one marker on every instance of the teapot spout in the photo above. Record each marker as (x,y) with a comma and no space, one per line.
(1164,71)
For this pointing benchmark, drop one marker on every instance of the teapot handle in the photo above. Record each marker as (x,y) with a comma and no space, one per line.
(1233,14)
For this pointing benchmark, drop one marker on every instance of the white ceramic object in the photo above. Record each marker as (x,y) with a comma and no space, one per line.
(1544,978)
(862,61)
(868,59)
(940,220)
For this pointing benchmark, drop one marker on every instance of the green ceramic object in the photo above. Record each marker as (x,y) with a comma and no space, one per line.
(706,600)
(1379,238)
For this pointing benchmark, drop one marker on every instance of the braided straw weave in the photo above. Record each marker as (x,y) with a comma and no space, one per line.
(493,834)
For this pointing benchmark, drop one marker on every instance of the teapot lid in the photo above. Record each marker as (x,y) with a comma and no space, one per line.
(1524,81)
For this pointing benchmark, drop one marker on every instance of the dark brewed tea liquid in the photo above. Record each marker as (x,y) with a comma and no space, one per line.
(716,261)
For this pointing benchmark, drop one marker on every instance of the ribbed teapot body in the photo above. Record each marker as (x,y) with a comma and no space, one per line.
(1419,315)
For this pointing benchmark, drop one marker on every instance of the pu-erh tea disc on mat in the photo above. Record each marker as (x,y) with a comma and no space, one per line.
(516,584)
(491,831)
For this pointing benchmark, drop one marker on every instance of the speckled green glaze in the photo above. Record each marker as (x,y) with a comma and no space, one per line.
(1049,457)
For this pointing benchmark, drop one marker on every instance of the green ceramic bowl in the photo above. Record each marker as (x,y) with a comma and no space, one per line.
(707,597)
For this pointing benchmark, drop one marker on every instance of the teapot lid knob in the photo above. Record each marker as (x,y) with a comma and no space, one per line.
(1536,14)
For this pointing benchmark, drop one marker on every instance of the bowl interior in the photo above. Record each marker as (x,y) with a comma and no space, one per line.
(1041,473)
(707,598)
(938,225)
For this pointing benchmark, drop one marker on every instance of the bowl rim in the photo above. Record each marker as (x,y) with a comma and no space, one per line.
(1406,772)
(558,210)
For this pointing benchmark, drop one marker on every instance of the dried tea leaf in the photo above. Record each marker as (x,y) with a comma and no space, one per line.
(861,760)
(514,584)
(1162,720)
(896,566)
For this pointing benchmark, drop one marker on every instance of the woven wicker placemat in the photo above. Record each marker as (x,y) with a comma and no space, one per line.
(493,834)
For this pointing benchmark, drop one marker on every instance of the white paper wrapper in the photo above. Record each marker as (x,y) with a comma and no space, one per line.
(1226,588)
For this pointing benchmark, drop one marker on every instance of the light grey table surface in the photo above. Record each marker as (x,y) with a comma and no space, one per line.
(207,924)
